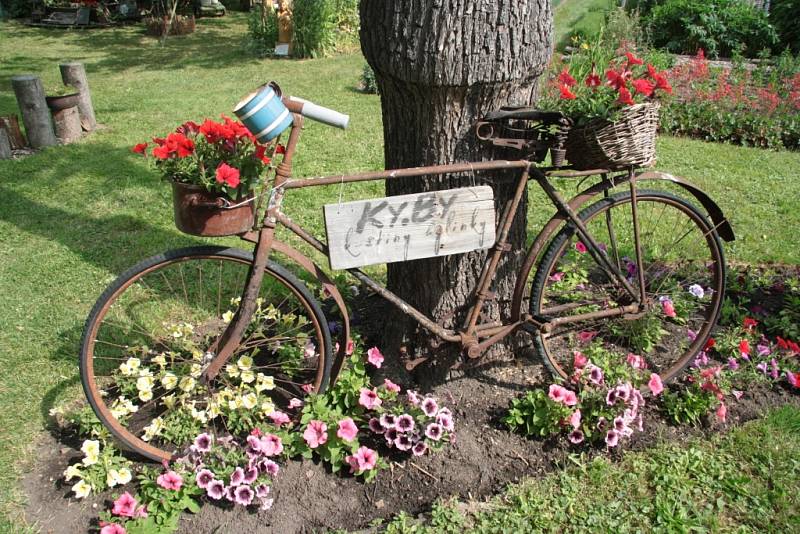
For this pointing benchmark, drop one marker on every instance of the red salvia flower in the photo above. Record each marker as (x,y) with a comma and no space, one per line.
(140,148)
(633,60)
(593,80)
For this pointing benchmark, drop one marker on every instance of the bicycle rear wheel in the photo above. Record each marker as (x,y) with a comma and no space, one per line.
(146,340)
(684,271)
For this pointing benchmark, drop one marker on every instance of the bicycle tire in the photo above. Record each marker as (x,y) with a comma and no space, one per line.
(276,278)
(558,359)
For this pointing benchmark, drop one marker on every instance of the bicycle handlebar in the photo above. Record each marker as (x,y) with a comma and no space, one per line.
(318,113)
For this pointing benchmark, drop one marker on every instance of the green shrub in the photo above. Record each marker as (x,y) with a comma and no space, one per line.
(262,28)
(314,27)
(783,15)
(720,27)
(15,8)
(368,82)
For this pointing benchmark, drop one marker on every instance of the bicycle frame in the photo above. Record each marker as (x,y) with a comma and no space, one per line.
(474,338)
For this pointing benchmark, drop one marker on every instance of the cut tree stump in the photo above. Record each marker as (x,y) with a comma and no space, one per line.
(74,74)
(10,124)
(68,125)
(35,113)
(5,145)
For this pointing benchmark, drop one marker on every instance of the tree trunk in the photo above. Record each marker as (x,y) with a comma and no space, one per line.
(440,65)
(68,125)
(10,124)
(75,75)
(5,145)
(35,113)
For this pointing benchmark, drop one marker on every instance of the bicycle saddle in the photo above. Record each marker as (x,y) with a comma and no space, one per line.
(525,113)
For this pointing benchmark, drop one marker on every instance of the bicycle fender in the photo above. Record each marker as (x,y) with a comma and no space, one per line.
(721,224)
(316,271)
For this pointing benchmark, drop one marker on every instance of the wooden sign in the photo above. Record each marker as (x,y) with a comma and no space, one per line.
(410,227)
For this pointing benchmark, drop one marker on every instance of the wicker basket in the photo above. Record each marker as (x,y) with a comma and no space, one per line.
(601,144)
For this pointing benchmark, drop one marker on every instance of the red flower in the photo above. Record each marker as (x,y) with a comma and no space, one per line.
(280,149)
(663,84)
(161,152)
(616,79)
(140,148)
(179,144)
(744,347)
(651,70)
(566,94)
(625,97)
(643,87)
(633,60)
(227,175)
(188,128)
(709,344)
(566,79)
(260,150)
(593,80)
(749,324)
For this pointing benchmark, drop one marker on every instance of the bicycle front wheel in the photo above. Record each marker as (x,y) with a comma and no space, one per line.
(147,340)
(684,273)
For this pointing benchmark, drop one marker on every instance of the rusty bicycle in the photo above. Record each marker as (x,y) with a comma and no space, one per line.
(221,337)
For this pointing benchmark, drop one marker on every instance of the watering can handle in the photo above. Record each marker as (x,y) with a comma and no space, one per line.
(318,113)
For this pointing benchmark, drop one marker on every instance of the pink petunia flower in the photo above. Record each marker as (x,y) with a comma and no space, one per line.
(368,398)
(586,336)
(295,403)
(391,386)
(612,438)
(113,528)
(237,477)
(576,437)
(722,412)
(244,495)
(419,448)
(215,490)
(562,395)
(575,419)
(375,357)
(363,460)
(170,480)
(316,433)
(202,443)
(204,477)
(430,407)
(271,445)
(668,307)
(347,429)
(124,506)
(307,388)
(636,361)
(655,384)
(279,418)
(579,361)
(580,247)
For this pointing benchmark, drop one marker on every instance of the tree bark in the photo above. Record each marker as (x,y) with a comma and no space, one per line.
(35,113)
(5,145)
(74,74)
(10,124)
(68,125)
(440,65)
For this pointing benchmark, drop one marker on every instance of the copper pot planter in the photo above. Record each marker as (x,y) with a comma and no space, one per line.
(199,212)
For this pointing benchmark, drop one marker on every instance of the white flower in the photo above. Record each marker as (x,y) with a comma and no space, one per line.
(146,395)
(232,370)
(267,407)
(153,429)
(250,401)
(197,355)
(124,475)
(81,489)
(72,472)
(196,370)
(235,403)
(160,360)
(125,369)
(111,477)
(169,401)
(245,363)
(169,380)
(144,383)
(133,363)
(236,301)
(264,382)
(227,316)
(187,383)
(90,446)
(213,410)
(199,415)
(248,376)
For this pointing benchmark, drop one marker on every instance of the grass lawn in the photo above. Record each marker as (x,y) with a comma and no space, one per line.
(74,217)
(578,16)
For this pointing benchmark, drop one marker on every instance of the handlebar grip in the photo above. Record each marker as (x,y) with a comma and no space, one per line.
(323,114)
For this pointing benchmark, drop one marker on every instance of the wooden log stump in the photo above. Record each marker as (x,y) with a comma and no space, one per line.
(10,124)
(68,125)
(35,113)
(5,145)
(74,74)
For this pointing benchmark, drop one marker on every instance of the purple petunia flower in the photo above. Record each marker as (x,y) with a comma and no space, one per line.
(762,367)
(202,443)
(430,407)
(405,423)
(619,424)
(230,493)
(691,335)
(697,290)
(733,364)
(413,397)
(601,423)
(269,467)
(266,504)
(388,421)
(576,436)
(612,438)
(237,477)
(763,349)
(215,489)
(446,420)
(250,475)
(375,426)
(419,448)
(244,495)
(434,431)
(403,442)
(611,397)
(262,491)
(774,370)
(596,375)
(204,477)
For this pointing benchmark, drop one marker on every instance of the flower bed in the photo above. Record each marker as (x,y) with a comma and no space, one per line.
(757,107)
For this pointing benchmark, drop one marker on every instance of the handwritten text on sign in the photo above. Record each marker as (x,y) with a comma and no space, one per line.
(409,227)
